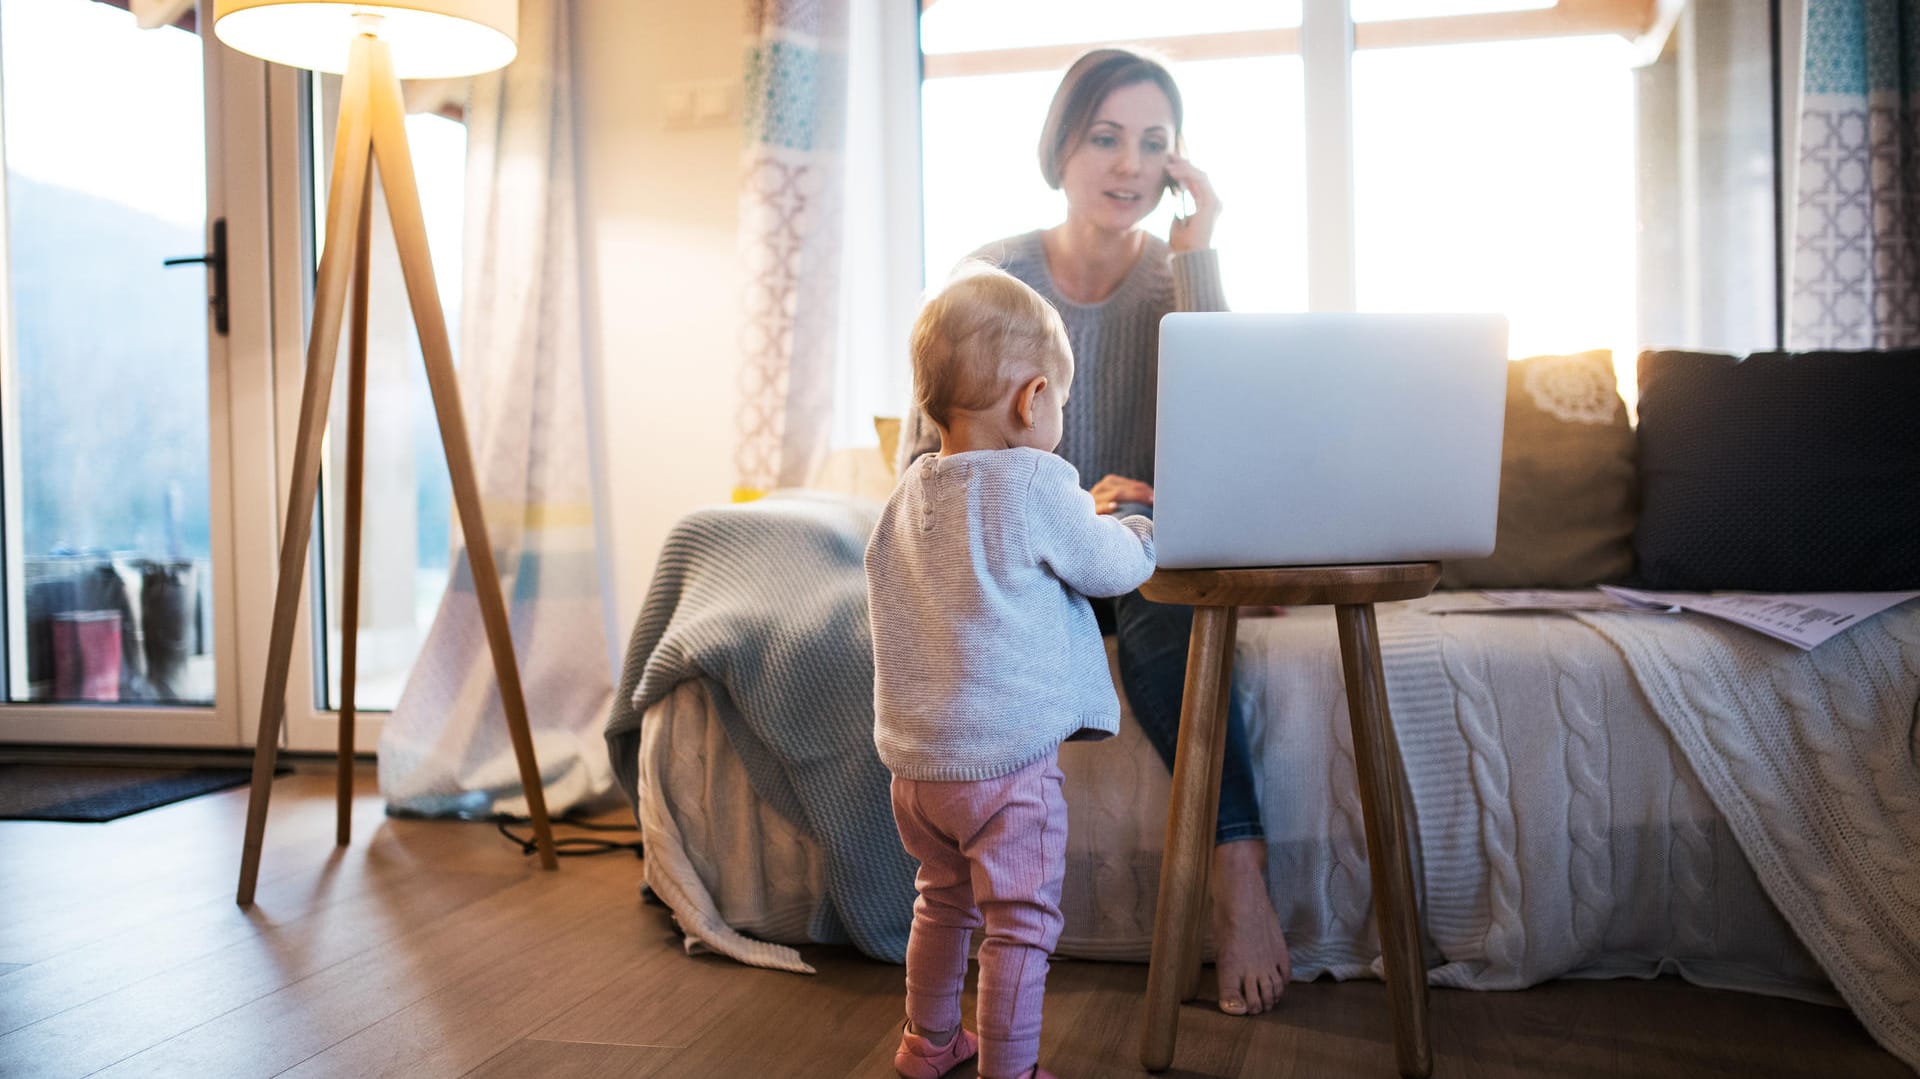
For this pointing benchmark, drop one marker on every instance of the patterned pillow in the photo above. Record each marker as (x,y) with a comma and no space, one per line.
(1566,480)
(1782,472)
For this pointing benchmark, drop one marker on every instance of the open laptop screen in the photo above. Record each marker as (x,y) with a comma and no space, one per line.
(1324,439)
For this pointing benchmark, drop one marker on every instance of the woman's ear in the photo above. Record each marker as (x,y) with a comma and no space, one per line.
(1023,401)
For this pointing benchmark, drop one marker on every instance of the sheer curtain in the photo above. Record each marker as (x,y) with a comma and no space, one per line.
(829,230)
(1855,282)
(791,201)
(524,376)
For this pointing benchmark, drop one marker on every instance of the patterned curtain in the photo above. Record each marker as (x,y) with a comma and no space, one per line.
(523,371)
(1856,281)
(790,226)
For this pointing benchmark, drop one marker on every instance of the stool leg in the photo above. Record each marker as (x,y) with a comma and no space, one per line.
(1190,982)
(1382,787)
(1183,868)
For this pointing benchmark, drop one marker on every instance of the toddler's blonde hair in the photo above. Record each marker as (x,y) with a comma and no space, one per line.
(982,335)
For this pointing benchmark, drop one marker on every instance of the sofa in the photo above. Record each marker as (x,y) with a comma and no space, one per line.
(1594,794)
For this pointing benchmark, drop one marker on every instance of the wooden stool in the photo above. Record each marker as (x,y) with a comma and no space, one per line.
(1214,595)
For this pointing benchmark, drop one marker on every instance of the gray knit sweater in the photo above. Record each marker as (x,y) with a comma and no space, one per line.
(986,655)
(1116,353)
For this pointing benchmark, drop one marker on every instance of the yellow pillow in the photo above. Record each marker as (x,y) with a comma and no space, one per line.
(1567,495)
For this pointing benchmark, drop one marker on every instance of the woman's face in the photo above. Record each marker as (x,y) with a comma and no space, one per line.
(1114,177)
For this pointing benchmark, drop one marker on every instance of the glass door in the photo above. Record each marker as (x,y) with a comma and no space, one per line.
(407,513)
(116,392)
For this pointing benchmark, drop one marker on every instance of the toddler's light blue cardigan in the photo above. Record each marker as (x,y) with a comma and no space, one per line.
(986,652)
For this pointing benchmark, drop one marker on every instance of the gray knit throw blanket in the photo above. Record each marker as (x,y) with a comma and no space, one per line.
(767,602)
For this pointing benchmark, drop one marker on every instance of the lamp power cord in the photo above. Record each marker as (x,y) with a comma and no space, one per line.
(573,846)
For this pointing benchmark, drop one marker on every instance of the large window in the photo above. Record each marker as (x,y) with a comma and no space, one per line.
(1499,176)
(981,127)
(1494,155)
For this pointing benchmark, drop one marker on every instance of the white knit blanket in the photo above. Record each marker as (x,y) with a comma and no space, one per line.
(1575,817)
(1813,758)
(1562,832)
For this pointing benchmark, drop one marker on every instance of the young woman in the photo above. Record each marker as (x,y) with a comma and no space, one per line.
(1112,145)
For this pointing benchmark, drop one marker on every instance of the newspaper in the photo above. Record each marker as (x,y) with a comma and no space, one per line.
(1801,619)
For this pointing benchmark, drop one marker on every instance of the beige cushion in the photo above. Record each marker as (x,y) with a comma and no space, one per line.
(1567,495)
(888,428)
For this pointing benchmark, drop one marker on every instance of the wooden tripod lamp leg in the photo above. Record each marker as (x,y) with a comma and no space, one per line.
(410,237)
(350,554)
(352,144)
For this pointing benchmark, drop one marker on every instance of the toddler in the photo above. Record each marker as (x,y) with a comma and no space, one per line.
(986,658)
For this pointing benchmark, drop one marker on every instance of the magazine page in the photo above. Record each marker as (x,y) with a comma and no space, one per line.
(1802,619)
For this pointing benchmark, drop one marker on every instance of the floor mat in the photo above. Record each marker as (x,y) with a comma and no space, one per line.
(91,793)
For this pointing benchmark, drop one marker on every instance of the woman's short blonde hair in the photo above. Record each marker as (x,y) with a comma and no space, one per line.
(1085,85)
(982,335)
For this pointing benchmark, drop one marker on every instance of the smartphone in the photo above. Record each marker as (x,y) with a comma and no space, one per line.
(1182,204)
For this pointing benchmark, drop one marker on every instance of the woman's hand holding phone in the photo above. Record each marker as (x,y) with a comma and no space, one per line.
(1191,231)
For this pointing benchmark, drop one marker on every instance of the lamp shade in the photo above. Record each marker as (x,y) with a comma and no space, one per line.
(430,39)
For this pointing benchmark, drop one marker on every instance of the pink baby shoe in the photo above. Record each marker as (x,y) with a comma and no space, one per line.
(919,1058)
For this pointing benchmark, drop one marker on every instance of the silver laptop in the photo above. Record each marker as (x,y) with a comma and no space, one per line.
(1304,440)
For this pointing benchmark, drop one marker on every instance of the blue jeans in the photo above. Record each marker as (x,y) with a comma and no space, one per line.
(1153,670)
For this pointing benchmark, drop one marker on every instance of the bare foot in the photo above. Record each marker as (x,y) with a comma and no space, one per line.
(1250,951)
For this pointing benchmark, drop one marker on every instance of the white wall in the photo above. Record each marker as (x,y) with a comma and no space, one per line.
(662,212)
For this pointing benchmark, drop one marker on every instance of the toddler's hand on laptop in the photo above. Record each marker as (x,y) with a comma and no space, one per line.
(1113,491)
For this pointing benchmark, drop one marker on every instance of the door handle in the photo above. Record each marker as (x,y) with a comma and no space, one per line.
(216,263)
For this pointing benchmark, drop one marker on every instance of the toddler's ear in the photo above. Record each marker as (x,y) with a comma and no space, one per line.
(1023,401)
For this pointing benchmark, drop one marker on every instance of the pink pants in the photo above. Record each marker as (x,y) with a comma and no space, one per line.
(992,851)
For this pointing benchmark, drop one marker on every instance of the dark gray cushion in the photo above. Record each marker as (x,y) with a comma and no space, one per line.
(1779,473)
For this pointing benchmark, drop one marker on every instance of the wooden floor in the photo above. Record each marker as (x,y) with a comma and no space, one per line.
(435,949)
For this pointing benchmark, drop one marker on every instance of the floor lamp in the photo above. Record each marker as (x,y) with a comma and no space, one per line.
(373,46)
